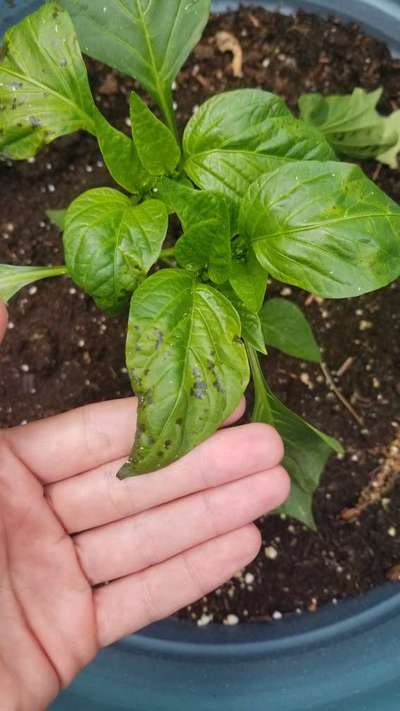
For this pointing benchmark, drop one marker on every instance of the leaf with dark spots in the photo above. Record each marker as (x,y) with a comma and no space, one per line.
(38,91)
(190,400)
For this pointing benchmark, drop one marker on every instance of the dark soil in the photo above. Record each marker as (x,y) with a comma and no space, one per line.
(61,352)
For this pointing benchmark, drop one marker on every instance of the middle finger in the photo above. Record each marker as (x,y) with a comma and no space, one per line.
(98,497)
(139,542)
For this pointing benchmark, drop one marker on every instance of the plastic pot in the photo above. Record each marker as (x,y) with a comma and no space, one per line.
(343,657)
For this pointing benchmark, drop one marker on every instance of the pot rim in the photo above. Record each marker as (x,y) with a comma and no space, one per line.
(379,18)
(292,634)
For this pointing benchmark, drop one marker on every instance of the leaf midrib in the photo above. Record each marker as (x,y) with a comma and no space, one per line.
(316,225)
(184,368)
(158,84)
(60,97)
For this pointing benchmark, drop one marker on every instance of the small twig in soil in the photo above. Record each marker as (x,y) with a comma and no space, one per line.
(227,42)
(382,484)
(377,171)
(345,366)
(312,298)
(339,395)
(254,21)
(202,80)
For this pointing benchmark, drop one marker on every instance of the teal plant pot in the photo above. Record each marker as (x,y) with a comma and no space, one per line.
(343,657)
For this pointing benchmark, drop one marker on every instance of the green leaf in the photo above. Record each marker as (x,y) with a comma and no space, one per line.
(12,279)
(148,39)
(390,157)
(157,148)
(121,157)
(350,122)
(206,218)
(235,137)
(187,364)
(110,244)
(285,327)
(57,218)
(307,450)
(45,93)
(44,89)
(323,227)
(241,119)
(251,324)
(248,278)
(299,505)
(229,172)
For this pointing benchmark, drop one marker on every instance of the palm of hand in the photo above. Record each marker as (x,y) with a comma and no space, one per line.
(46,603)
(67,525)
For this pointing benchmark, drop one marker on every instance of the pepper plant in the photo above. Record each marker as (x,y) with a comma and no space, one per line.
(259,195)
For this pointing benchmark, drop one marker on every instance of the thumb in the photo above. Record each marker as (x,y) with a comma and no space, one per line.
(3,320)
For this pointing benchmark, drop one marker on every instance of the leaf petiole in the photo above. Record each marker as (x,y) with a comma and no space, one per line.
(167,253)
(12,278)
(262,410)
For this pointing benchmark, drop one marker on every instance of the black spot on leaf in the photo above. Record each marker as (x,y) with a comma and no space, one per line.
(159,338)
(199,389)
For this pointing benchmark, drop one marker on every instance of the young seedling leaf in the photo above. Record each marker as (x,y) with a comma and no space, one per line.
(147,39)
(307,450)
(121,157)
(285,327)
(187,363)
(323,227)
(235,137)
(350,122)
(390,156)
(110,244)
(208,219)
(156,146)
(57,218)
(44,89)
(12,279)
(248,278)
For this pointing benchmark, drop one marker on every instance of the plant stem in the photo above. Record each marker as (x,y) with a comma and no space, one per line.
(167,252)
(262,410)
(166,104)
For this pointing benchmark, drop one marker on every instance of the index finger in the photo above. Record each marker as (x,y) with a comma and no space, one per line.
(74,442)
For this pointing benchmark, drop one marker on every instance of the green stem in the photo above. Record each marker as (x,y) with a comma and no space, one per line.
(262,410)
(166,105)
(167,253)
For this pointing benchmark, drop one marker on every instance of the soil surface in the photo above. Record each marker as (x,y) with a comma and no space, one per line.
(61,352)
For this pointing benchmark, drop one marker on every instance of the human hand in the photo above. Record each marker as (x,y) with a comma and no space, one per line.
(68,524)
